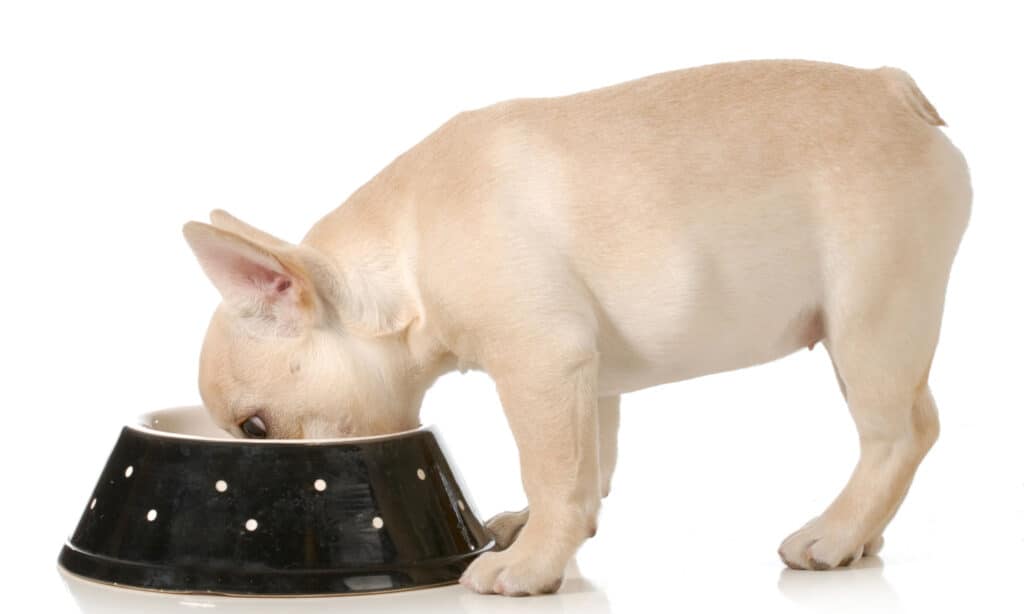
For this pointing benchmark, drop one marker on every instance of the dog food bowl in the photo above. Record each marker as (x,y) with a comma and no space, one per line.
(182,506)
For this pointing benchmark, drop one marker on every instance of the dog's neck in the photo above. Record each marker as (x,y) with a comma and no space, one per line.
(370,240)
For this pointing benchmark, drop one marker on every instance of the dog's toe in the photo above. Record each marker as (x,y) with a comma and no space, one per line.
(505,527)
(818,548)
(514,573)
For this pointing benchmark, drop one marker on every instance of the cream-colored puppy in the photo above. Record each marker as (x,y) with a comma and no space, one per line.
(582,247)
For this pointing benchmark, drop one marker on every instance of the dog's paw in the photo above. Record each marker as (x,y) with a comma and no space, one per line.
(505,527)
(515,572)
(819,547)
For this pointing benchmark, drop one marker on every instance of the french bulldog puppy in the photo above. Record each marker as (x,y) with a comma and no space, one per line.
(582,247)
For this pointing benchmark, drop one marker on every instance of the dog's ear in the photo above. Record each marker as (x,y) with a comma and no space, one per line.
(375,297)
(224,220)
(286,288)
(269,285)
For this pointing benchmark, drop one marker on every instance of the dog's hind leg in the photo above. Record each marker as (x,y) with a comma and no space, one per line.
(608,432)
(881,330)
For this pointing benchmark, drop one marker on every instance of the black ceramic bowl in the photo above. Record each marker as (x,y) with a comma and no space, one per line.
(182,506)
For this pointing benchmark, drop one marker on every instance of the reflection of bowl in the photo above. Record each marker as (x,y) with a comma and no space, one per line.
(182,506)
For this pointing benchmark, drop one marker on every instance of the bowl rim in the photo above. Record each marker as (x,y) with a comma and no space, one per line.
(143,422)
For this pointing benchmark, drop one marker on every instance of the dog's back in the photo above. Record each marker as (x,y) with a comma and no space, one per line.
(727,196)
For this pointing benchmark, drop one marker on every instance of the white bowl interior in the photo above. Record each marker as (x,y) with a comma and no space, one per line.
(188,421)
(195,423)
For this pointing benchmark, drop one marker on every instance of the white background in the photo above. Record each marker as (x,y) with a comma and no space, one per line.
(121,121)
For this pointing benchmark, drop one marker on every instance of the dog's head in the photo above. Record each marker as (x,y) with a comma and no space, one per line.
(288,353)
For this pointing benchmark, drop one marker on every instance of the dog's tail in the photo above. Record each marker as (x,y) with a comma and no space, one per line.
(903,85)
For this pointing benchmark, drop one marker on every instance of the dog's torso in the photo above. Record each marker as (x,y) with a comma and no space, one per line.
(689,223)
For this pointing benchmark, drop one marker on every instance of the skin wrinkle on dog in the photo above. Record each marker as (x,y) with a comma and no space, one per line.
(582,247)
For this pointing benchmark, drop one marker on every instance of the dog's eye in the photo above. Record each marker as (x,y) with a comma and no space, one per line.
(254,427)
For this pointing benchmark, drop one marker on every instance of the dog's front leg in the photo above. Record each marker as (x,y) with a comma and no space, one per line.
(551,407)
(505,526)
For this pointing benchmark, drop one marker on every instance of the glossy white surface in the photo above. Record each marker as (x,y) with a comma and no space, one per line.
(664,563)
(119,121)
